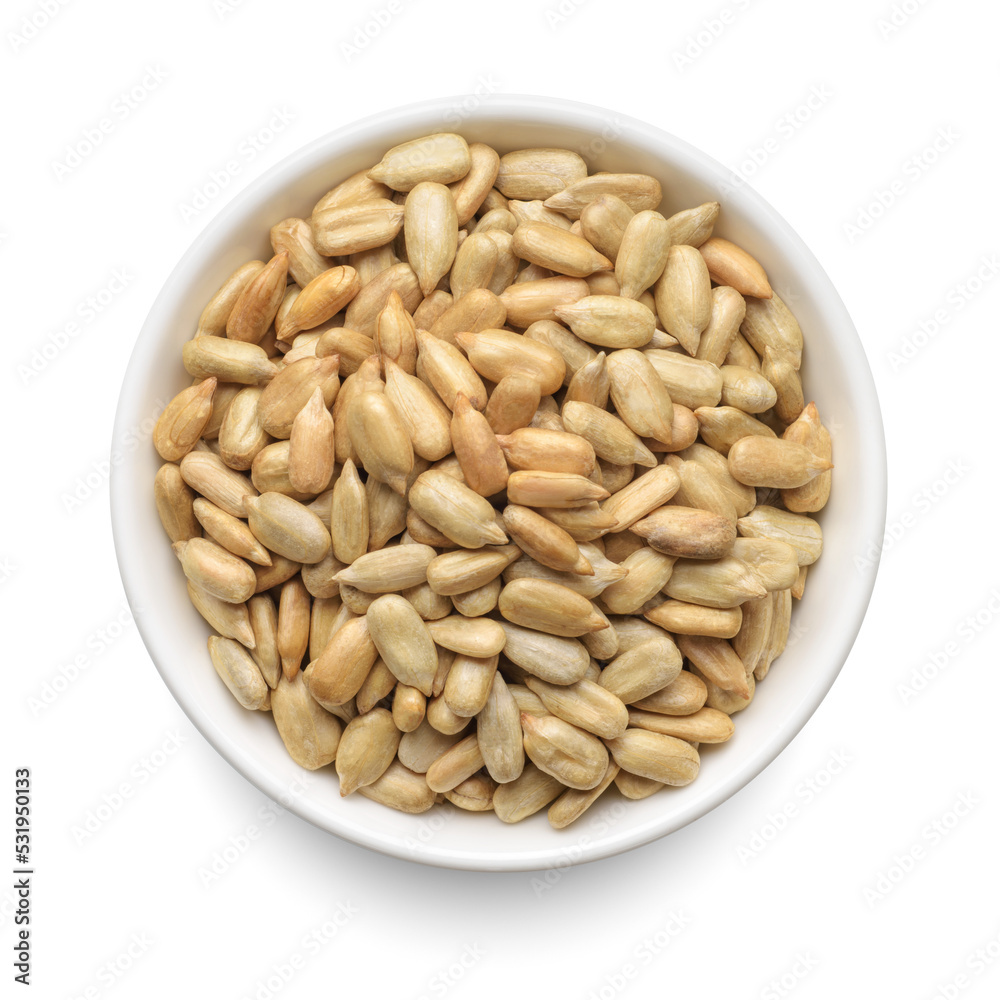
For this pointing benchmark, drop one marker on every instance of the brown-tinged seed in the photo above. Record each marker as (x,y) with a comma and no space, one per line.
(255,309)
(293,625)
(175,504)
(295,237)
(183,419)
(692,619)
(337,674)
(729,264)
(477,449)
(409,708)
(213,319)
(289,391)
(363,312)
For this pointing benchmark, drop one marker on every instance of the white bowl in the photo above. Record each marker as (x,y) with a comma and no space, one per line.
(836,375)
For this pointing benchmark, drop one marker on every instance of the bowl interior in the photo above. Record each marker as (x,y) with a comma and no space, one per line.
(835,374)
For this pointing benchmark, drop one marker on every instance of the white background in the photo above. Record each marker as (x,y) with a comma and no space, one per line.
(881,880)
